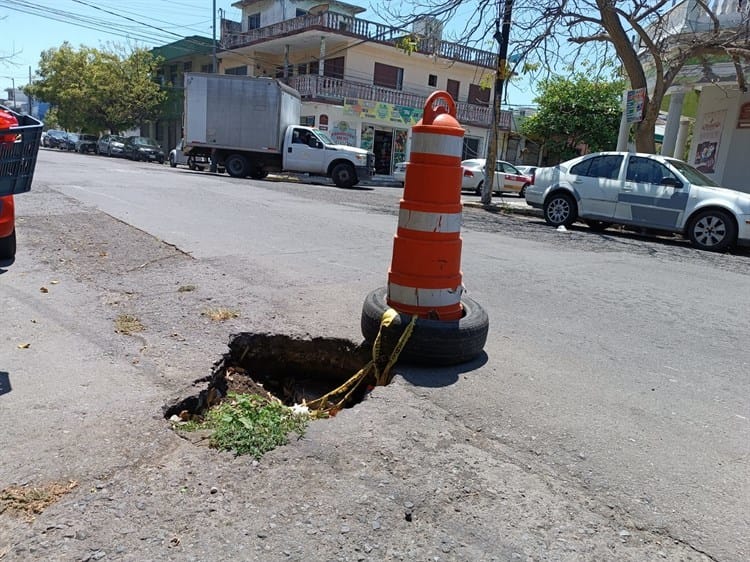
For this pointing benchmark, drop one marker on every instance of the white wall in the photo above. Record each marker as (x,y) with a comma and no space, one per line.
(734,143)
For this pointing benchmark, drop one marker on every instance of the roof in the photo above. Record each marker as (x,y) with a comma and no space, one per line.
(187,47)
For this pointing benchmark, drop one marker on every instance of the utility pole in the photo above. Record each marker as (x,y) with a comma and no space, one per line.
(502,34)
(213,42)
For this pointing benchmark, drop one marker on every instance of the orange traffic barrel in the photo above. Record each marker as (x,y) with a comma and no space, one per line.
(425,274)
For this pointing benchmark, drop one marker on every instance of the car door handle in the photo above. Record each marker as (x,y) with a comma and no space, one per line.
(628,187)
(289,150)
(578,181)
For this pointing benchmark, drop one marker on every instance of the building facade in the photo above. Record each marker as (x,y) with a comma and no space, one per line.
(363,82)
(721,131)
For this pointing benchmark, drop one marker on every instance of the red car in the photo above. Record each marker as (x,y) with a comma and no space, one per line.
(7,228)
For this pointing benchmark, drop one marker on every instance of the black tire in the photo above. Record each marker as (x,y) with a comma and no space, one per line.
(560,210)
(236,165)
(433,342)
(478,190)
(712,230)
(522,193)
(597,226)
(173,164)
(344,175)
(8,247)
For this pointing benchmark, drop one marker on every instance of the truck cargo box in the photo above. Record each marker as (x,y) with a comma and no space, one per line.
(238,112)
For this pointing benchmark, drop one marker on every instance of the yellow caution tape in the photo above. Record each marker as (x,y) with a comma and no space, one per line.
(324,405)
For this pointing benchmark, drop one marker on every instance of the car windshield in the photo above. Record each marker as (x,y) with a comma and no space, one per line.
(691,174)
(73,137)
(143,141)
(116,139)
(324,137)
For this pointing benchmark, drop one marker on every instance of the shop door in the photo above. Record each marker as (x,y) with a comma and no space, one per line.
(471,148)
(383,146)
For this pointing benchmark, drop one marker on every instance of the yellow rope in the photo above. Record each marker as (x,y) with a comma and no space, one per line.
(323,406)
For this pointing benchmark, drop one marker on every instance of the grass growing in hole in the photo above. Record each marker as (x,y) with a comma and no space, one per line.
(185,288)
(250,424)
(30,501)
(220,314)
(127,324)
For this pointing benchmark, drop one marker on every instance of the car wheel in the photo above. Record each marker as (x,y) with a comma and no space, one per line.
(598,226)
(236,165)
(522,193)
(478,190)
(433,342)
(172,162)
(343,175)
(560,210)
(8,247)
(712,230)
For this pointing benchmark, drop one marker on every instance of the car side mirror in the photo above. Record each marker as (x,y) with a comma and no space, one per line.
(672,182)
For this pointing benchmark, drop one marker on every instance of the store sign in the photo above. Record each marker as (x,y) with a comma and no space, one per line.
(373,110)
(708,137)
(342,133)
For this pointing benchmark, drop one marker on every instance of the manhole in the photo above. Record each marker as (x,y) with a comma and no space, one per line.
(290,369)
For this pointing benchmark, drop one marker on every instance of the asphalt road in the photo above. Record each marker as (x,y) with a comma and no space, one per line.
(615,361)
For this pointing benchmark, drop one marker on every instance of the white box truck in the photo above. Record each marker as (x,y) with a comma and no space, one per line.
(250,126)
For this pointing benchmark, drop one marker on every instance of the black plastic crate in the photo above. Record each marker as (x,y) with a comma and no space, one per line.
(18,159)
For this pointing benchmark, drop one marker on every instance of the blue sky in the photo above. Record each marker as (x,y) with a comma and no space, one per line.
(27,27)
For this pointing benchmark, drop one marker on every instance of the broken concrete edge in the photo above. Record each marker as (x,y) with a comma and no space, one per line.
(515,208)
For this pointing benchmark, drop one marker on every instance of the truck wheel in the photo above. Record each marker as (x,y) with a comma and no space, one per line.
(236,165)
(433,342)
(344,175)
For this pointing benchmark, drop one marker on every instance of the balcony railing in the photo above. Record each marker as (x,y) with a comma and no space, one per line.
(233,38)
(325,88)
(690,17)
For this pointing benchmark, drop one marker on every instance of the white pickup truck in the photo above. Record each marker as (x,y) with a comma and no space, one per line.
(250,126)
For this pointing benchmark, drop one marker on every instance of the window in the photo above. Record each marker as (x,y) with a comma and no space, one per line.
(506,168)
(607,167)
(334,67)
(432,80)
(237,70)
(646,170)
(307,120)
(207,68)
(453,87)
(187,66)
(479,95)
(300,13)
(470,148)
(388,76)
(173,73)
(253,21)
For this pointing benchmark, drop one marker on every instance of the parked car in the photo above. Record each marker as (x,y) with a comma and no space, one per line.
(69,142)
(7,228)
(529,171)
(86,143)
(512,178)
(399,172)
(143,148)
(643,190)
(110,145)
(54,138)
(176,156)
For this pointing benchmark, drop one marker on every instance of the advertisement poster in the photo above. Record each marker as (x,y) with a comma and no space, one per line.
(707,147)
(634,102)
(342,133)
(374,110)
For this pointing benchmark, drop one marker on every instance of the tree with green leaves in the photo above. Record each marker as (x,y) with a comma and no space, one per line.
(574,111)
(652,39)
(98,90)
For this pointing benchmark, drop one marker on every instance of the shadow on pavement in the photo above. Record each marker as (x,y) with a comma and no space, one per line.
(4,383)
(435,377)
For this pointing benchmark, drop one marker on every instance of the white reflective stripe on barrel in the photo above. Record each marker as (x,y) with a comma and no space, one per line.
(433,143)
(412,296)
(429,222)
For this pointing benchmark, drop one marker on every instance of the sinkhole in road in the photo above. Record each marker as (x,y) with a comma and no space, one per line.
(287,368)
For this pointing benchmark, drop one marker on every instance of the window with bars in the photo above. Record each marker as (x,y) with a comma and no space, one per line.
(237,71)
(253,21)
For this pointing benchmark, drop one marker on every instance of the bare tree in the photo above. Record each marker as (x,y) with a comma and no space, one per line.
(652,39)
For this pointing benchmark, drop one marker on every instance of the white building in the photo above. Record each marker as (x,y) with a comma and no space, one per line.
(359,79)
